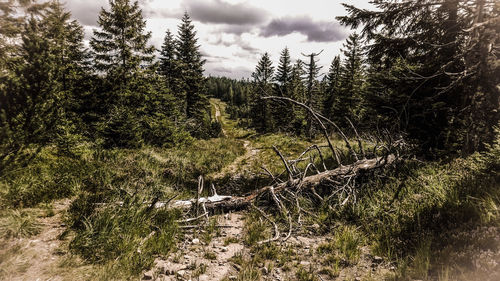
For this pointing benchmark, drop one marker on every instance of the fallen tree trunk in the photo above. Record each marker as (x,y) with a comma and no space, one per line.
(232,203)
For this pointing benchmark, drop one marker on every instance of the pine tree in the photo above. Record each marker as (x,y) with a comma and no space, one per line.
(352,80)
(191,71)
(313,98)
(332,90)
(120,48)
(282,111)
(262,86)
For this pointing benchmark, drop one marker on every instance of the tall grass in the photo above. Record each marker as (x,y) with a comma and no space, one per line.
(408,213)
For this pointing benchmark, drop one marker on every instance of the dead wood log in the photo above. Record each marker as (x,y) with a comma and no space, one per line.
(232,203)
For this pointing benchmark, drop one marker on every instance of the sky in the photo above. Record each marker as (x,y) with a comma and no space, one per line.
(234,34)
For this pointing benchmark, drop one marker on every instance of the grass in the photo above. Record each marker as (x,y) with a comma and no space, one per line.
(129,236)
(344,247)
(414,213)
(18,223)
(306,274)
(120,240)
(230,240)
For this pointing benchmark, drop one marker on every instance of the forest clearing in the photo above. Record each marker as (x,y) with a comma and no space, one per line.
(123,159)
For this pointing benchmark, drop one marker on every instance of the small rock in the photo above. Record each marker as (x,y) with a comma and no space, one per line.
(195,241)
(203,277)
(357,278)
(181,273)
(147,277)
(223,249)
(315,226)
(305,263)
(265,271)
(378,259)
(232,277)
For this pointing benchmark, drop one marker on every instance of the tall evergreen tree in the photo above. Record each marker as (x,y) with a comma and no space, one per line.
(452,77)
(120,47)
(352,79)
(297,92)
(132,93)
(30,99)
(282,111)
(191,71)
(262,86)
(332,91)
(171,71)
(313,98)
(168,59)
(71,65)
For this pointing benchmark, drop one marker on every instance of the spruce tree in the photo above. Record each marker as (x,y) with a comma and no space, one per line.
(332,90)
(120,47)
(282,111)
(30,99)
(191,72)
(137,102)
(450,87)
(168,60)
(71,71)
(352,80)
(313,97)
(170,70)
(262,86)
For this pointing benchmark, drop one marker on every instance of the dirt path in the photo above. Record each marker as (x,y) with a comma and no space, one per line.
(37,257)
(238,165)
(199,260)
(218,117)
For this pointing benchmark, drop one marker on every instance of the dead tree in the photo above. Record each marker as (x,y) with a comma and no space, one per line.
(335,187)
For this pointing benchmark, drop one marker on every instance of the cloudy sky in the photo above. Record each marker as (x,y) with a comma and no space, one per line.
(234,34)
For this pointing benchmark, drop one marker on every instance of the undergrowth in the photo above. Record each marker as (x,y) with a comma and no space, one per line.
(410,212)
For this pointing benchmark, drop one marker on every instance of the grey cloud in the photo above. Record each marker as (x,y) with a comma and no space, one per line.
(218,11)
(236,29)
(320,31)
(149,12)
(244,45)
(86,12)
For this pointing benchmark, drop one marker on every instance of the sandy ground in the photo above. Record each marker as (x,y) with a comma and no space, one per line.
(38,257)
(192,255)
